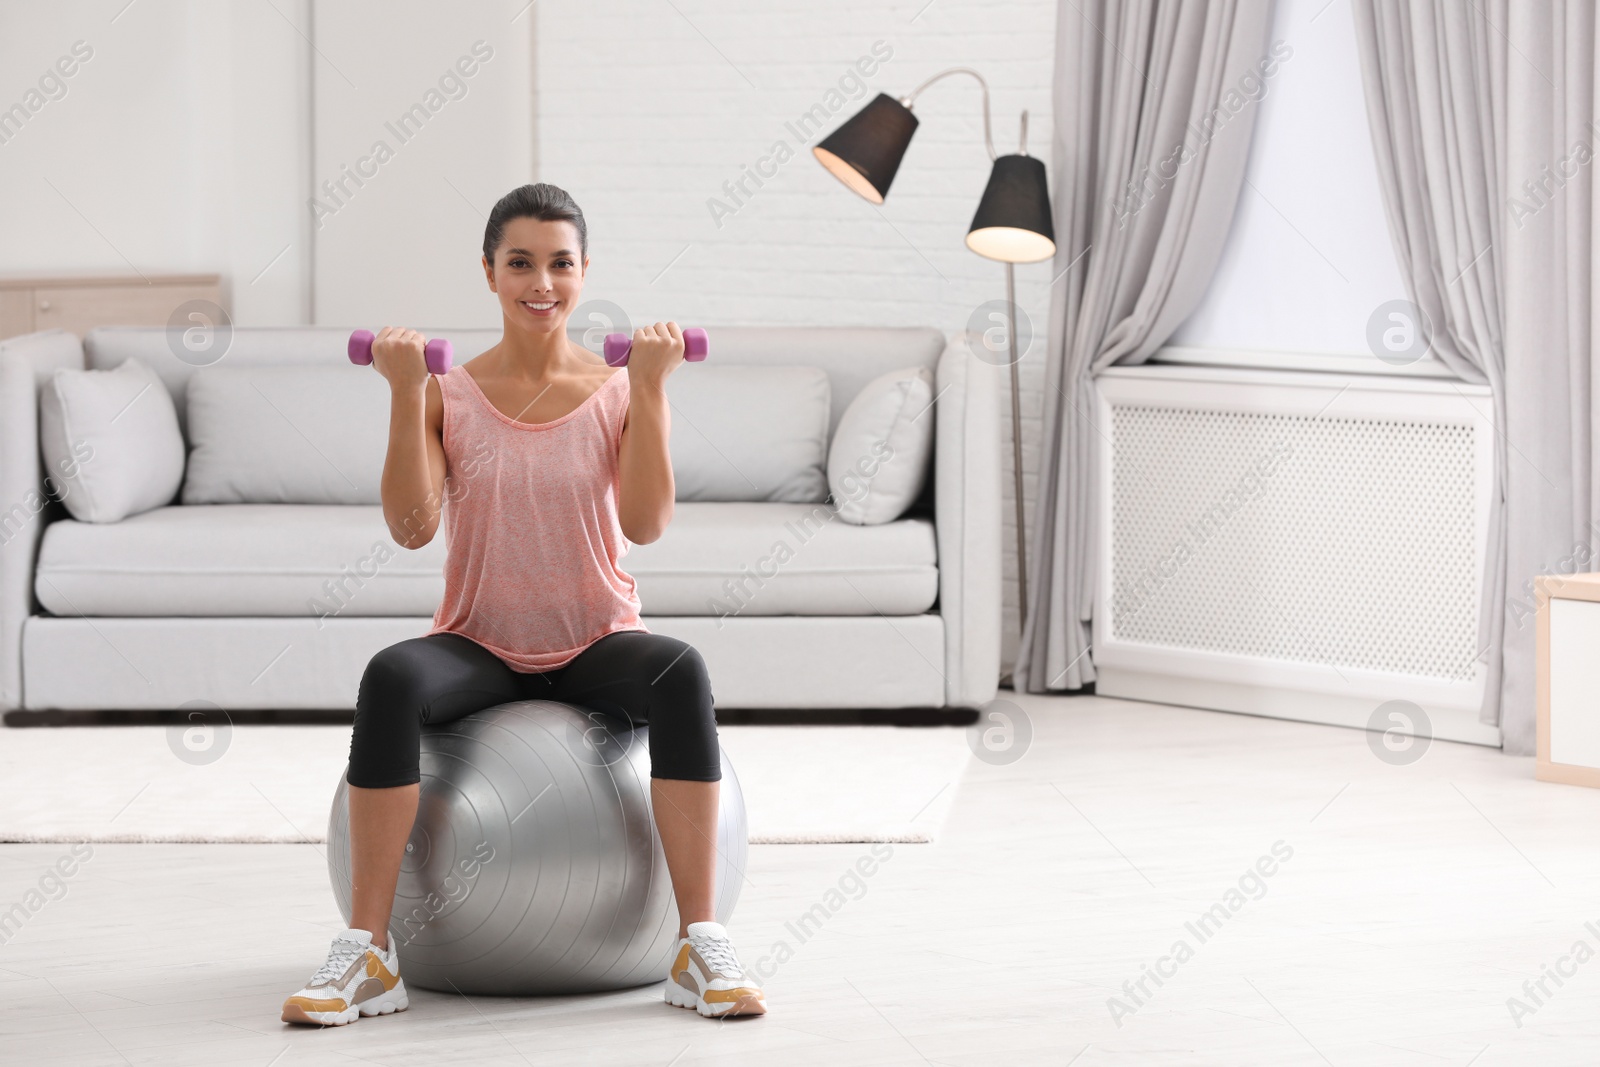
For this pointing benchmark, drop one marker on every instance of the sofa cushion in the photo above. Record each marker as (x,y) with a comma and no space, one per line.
(749,433)
(238,559)
(110,439)
(878,460)
(745,558)
(850,355)
(318,435)
(286,435)
(326,560)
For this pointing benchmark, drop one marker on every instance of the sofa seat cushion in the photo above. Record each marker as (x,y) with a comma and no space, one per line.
(770,558)
(238,559)
(325,560)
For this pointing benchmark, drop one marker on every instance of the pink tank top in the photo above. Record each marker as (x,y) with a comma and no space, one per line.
(532,539)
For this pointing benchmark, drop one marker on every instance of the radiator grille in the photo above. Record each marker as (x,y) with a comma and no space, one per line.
(1338,540)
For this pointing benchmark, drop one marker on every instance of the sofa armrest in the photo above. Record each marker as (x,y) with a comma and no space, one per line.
(967,500)
(26,363)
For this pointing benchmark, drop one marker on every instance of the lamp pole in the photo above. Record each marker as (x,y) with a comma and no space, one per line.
(1016,442)
(1011,340)
(988,139)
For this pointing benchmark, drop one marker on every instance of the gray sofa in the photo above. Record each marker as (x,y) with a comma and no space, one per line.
(215,602)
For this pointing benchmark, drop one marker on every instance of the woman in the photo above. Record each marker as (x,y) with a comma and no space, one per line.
(553,462)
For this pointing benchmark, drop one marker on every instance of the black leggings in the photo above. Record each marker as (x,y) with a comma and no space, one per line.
(627,676)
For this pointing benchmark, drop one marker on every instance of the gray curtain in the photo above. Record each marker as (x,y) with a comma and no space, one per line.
(1482,121)
(1154,104)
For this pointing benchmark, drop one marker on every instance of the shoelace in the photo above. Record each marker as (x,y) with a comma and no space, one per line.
(342,955)
(718,952)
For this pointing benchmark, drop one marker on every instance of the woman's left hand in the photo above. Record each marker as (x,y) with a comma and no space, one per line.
(656,352)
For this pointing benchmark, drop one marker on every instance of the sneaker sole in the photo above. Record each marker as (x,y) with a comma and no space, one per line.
(750,1004)
(386,1004)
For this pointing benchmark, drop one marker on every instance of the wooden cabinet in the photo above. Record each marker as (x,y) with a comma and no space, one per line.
(78,304)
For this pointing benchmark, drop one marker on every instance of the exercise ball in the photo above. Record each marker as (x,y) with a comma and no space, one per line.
(534,866)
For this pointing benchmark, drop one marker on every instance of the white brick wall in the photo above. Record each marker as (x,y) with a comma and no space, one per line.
(645,110)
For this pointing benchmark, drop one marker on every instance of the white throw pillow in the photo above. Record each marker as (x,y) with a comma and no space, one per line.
(878,462)
(111,441)
(286,434)
(750,432)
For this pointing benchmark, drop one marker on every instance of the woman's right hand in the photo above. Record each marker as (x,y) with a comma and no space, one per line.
(398,355)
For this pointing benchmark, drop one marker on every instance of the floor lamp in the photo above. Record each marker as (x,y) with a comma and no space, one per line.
(1012,224)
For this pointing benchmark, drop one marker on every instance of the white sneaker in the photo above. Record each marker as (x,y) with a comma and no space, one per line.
(357,979)
(706,976)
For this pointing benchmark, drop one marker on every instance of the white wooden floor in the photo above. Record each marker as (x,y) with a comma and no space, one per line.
(1415,903)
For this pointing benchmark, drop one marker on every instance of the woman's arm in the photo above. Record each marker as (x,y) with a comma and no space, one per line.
(645,496)
(414,467)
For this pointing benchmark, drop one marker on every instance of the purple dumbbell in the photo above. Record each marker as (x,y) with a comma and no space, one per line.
(437,352)
(618,345)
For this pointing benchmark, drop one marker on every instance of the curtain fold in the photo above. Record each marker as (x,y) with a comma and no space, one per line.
(1482,122)
(1434,79)
(1550,249)
(1154,106)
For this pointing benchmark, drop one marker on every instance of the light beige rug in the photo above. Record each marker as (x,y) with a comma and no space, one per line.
(802,784)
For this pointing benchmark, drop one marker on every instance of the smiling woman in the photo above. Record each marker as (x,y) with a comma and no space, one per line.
(536,602)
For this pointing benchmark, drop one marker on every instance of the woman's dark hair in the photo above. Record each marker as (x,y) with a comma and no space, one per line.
(542,201)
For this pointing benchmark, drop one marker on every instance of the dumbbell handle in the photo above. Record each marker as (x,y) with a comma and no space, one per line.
(437,352)
(695,346)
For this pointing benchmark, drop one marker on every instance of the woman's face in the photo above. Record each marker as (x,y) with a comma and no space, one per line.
(536,265)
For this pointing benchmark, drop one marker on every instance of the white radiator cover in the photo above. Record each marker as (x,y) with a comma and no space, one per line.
(1296,544)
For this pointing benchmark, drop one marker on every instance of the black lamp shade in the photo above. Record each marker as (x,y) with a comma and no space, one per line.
(1013,222)
(865,152)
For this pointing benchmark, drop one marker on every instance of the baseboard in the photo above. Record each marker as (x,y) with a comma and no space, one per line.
(1446,723)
